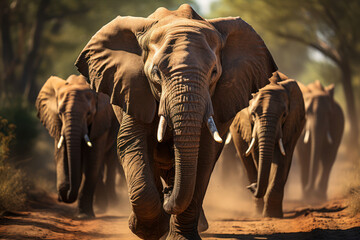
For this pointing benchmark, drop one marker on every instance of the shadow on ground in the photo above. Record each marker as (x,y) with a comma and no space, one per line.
(318,234)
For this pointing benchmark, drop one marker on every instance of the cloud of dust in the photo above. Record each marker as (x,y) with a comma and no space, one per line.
(227,196)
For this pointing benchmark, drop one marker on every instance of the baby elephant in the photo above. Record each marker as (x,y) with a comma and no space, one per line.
(84,127)
(265,135)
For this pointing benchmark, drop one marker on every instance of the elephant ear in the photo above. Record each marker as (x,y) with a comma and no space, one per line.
(242,124)
(246,67)
(46,105)
(112,61)
(330,90)
(77,79)
(295,120)
(103,116)
(278,77)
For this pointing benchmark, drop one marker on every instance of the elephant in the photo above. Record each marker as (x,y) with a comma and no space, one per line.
(173,77)
(265,134)
(84,126)
(319,142)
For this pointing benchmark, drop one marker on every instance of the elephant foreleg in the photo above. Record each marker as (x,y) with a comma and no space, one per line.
(185,225)
(275,192)
(326,163)
(92,166)
(148,219)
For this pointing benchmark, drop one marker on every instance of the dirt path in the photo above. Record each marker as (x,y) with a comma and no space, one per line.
(228,207)
(50,220)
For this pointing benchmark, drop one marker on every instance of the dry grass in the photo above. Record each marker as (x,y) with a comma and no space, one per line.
(12,188)
(354,200)
(354,190)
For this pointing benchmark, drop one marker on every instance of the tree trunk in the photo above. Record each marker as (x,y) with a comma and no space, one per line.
(32,58)
(350,102)
(7,74)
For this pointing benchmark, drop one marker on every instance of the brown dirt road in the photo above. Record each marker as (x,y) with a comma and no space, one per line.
(227,206)
(48,219)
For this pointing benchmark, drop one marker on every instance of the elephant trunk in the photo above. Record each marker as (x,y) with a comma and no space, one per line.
(187,116)
(266,139)
(73,137)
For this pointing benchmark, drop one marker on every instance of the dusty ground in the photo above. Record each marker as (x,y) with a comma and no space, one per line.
(50,220)
(228,207)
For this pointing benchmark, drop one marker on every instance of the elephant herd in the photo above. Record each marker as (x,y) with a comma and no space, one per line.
(158,95)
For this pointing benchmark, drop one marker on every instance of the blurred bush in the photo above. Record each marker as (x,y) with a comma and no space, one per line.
(23,116)
(354,190)
(12,187)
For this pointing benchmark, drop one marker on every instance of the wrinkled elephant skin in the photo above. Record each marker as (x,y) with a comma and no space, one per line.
(264,135)
(318,145)
(173,75)
(84,127)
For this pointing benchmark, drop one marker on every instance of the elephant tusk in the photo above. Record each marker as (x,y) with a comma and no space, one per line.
(60,143)
(281,146)
(329,138)
(252,187)
(307,136)
(252,144)
(228,139)
(213,130)
(87,140)
(161,128)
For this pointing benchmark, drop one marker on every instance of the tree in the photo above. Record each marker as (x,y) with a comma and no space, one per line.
(34,33)
(327,26)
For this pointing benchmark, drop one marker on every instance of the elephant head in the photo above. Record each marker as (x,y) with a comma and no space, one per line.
(186,70)
(274,120)
(74,115)
(322,114)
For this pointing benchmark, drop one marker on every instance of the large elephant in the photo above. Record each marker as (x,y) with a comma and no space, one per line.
(84,128)
(318,145)
(173,74)
(265,135)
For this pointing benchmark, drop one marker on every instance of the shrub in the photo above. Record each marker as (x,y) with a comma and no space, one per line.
(12,190)
(23,115)
(354,200)
(354,187)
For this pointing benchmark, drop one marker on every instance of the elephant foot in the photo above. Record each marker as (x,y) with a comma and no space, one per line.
(273,209)
(183,231)
(272,213)
(85,210)
(203,224)
(259,205)
(153,229)
(85,216)
(183,236)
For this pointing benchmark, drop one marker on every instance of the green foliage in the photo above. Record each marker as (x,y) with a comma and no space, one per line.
(12,188)
(23,116)
(289,56)
(6,135)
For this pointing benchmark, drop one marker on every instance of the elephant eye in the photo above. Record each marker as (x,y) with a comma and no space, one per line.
(155,72)
(253,116)
(214,72)
(284,116)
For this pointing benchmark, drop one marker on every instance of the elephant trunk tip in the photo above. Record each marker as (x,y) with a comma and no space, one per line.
(66,195)
(171,208)
(171,205)
(71,196)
